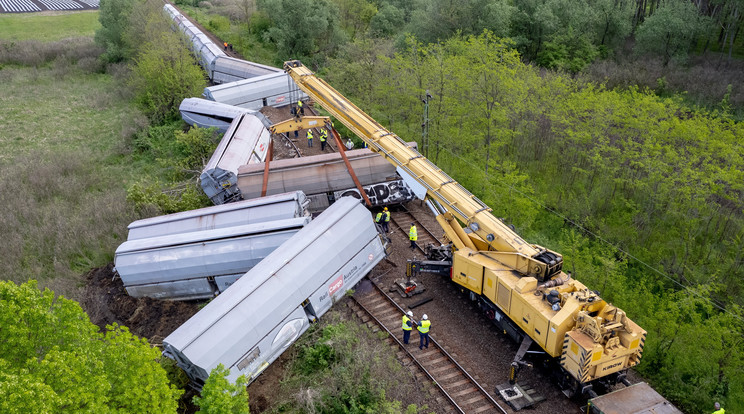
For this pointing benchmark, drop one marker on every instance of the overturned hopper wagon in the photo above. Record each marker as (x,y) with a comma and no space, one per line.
(245,142)
(248,326)
(200,264)
(210,114)
(258,210)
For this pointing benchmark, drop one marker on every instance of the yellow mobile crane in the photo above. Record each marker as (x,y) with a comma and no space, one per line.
(520,285)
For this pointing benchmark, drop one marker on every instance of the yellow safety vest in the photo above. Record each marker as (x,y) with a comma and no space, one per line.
(424,326)
(378,217)
(299,103)
(309,134)
(323,135)
(406,326)
(721,411)
(412,233)
(387,216)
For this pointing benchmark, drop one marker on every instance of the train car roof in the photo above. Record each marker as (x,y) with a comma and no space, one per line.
(209,235)
(233,316)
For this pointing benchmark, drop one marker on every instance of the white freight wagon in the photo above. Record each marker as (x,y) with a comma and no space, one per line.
(248,326)
(276,89)
(245,142)
(200,264)
(210,114)
(257,210)
(228,69)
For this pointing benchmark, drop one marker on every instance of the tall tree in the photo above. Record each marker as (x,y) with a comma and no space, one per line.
(303,28)
(671,30)
(114,18)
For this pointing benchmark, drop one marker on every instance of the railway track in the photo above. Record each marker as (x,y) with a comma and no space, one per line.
(402,218)
(460,392)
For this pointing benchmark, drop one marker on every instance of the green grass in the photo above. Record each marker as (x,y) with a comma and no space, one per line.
(48,27)
(65,163)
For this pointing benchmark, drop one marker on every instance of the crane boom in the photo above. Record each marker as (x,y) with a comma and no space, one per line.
(593,341)
(457,200)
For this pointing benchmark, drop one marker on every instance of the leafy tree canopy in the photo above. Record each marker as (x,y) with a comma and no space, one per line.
(53,359)
(219,395)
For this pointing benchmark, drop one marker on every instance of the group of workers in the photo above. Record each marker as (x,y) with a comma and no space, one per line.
(422,327)
(383,219)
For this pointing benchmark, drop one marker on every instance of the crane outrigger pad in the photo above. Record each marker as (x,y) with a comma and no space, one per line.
(518,396)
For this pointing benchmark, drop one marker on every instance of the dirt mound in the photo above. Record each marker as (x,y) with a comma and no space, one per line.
(106,302)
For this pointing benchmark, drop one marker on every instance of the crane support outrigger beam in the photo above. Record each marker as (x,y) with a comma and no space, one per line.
(457,200)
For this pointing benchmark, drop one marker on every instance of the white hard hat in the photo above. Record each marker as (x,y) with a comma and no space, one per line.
(409,313)
(425,317)
(717,405)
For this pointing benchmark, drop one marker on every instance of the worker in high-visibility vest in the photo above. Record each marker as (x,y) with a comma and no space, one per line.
(300,108)
(407,326)
(385,219)
(323,138)
(309,138)
(412,236)
(423,328)
(718,410)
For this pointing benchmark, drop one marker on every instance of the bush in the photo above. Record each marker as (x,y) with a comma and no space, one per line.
(163,75)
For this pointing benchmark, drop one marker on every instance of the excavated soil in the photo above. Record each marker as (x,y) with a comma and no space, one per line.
(106,302)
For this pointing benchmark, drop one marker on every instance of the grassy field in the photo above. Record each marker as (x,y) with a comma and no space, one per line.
(64,164)
(48,26)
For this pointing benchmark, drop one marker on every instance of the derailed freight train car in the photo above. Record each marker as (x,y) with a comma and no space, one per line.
(210,114)
(200,264)
(220,67)
(245,142)
(276,89)
(248,326)
(257,210)
(324,178)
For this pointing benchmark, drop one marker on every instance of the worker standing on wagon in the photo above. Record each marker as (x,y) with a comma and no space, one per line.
(300,108)
(423,328)
(718,408)
(309,138)
(412,236)
(407,326)
(323,138)
(349,144)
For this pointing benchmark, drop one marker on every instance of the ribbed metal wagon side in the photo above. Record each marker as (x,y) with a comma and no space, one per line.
(198,264)
(248,326)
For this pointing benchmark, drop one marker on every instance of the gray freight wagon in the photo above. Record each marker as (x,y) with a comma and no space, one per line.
(248,326)
(257,210)
(245,142)
(210,114)
(201,264)
(276,89)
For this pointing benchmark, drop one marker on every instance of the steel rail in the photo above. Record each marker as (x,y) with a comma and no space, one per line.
(413,358)
(441,349)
